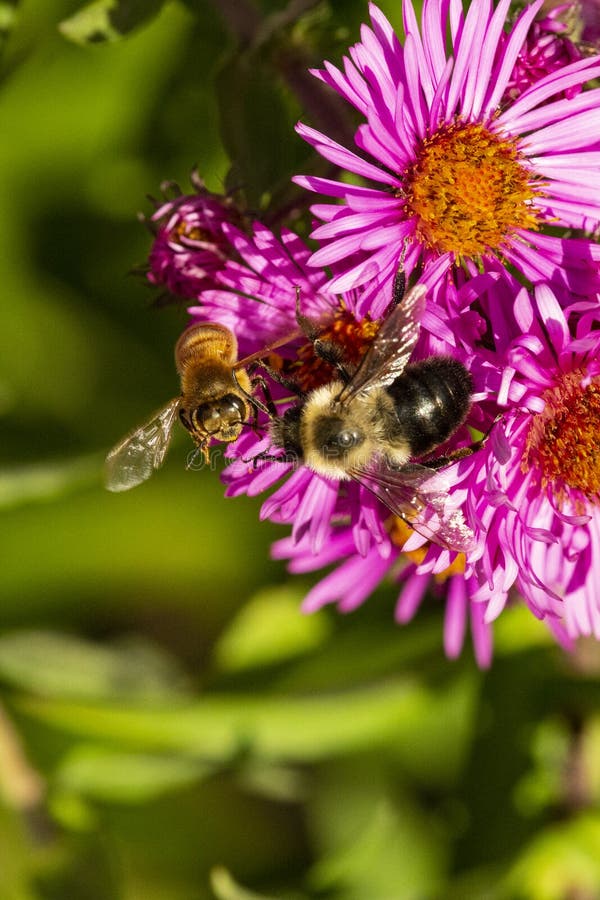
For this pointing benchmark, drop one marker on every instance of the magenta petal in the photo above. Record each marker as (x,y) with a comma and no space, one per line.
(482,636)
(411,596)
(455,619)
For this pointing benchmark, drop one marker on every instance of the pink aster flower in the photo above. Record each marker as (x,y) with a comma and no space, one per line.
(547,49)
(257,300)
(357,575)
(190,246)
(540,478)
(532,493)
(589,11)
(451,171)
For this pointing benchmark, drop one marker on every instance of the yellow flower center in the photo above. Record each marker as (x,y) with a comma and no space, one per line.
(193,232)
(469,190)
(563,441)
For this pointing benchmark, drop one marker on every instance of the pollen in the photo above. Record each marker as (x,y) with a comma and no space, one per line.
(345,331)
(469,191)
(563,439)
(399,532)
(193,232)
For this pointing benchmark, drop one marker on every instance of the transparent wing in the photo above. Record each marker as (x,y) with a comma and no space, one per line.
(135,458)
(415,493)
(391,350)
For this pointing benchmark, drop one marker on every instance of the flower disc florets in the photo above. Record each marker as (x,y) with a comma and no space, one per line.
(564,439)
(469,191)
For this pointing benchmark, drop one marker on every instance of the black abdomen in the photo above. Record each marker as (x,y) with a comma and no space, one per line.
(431,399)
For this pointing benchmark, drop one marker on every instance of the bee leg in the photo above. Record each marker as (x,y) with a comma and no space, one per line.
(284,380)
(398,288)
(185,420)
(308,328)
(442,461)
(268,406)
(270,457)
(399,284)
(328,351)
(333,354)
(464,452)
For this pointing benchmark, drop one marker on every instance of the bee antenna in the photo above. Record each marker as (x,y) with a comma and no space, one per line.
(308,328)
(194,460)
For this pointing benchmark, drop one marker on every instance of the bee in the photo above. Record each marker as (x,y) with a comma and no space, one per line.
(215,404)
(367,425)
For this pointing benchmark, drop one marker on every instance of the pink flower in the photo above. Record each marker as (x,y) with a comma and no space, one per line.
(589,11)
(452,173)
(190,246)
(546,49)
(532,493)
(539,480)
(258,302)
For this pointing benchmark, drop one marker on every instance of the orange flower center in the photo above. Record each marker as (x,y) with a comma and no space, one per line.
(469,191)
(344,330)
(563,441)
(193,232)
(399,532)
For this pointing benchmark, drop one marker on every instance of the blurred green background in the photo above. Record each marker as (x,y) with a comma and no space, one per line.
(171,727)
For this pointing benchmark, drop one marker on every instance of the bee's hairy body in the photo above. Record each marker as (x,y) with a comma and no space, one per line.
(215,403)
(408,418)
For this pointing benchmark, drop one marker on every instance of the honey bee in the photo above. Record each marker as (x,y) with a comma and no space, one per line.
(367,425)
(215,404)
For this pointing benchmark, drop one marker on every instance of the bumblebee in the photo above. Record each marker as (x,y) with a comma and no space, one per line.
(367,425)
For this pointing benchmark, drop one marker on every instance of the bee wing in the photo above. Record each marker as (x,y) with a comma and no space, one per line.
(414,493)
(142,451)
(391,350)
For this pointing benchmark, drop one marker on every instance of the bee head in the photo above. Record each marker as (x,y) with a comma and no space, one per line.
(333,445)
(222,418)
(336,439)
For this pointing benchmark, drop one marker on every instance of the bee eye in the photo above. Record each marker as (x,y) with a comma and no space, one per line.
(342,441)
(207,413)
(347,439)
(231,405)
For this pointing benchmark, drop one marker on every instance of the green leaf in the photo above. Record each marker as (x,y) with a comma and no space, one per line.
(226,888)
(46,481)
(544,784)
(394,855)
(106,21)
(257,126)
(375,840)
(220,727)
(119,777)
(52,664)
(270,628)
(561,861)
(516,630)
(8,18)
